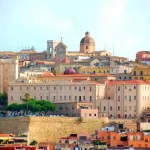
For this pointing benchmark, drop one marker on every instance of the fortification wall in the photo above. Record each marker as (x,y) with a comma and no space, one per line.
(49,129)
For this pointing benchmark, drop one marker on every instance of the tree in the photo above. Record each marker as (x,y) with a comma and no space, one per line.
(3,99)
(33,106)
(26,100)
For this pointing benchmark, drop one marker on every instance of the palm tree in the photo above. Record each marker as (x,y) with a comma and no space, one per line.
(26,99)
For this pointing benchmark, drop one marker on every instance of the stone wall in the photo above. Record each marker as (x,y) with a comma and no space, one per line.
(49,129)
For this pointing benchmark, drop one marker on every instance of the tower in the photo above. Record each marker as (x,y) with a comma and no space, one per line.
(51,51)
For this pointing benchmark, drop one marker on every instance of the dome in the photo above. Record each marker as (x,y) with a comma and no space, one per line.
(87,39)
(70,71)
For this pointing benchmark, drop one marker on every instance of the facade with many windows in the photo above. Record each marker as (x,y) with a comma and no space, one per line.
(120,99)
(57,92)
(125,99)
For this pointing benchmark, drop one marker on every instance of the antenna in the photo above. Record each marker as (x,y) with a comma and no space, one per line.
(113,49)
(22,45)
(104,46)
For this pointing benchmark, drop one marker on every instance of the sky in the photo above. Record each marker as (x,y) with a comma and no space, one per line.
(122,23)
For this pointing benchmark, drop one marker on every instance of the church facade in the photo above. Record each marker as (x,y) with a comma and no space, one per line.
(57,49)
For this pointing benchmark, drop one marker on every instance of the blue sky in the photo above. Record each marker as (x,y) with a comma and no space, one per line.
(124,23)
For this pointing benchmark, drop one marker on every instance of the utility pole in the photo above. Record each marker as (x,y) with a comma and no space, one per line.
(113,49)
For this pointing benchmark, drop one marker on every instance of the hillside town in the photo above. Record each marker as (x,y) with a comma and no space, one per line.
(87,99)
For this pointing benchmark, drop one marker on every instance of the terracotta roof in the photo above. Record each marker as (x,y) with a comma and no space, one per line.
(64,138)
(87,75)
(128,82)
(46,74)
(6,135)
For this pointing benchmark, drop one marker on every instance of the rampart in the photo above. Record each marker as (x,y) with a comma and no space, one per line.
(49,129)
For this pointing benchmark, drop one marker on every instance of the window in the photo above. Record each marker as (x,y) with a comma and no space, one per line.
(54,88)
(53,98)
(119,98)
(69,97)
(27,88)
(69,87)
(141,78)
(12,88)
(125,71)
(125,87)
(134,87)
(60,88)
(47,97)
(109,98)
(118,88)
(90,89)
(47,88)
(20,88)
(79,88)
(75,98)
(80,98)
(60,97)
(34,88)
(84,87)
(104,108)
(20,97)
(86,47)
(110,108)
(130,108)
(40,88)
(94,114)
(90,98)
(118,107)
(141,73)
(84,98)
(12,98)
(90,115)
(34,97)
(75,88)
(125,97)
(64,97)
(134,73)
(129,98)
(134,108)
(40,97)
(135,97)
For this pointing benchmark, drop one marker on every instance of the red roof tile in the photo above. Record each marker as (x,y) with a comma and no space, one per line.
(128,82)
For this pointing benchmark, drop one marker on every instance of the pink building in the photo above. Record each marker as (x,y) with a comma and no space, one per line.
(142,55)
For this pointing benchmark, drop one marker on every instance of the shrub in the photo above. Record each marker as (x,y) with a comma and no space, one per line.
(80,119)
(34,142)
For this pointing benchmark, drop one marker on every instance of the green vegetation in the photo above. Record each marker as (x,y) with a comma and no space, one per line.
(33,143)
(33,106)
(99,143)
(80,119)
(146,130)
(3,99)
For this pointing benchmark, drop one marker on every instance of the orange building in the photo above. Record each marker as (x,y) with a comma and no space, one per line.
(134,139)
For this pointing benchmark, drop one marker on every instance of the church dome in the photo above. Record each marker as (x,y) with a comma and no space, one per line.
(70,71)
(87,39)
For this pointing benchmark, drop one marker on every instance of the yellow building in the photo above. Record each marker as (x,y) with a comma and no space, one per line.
(88,69)
(141,72)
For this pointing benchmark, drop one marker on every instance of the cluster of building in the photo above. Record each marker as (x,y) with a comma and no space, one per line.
(88,83)
(113,136)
